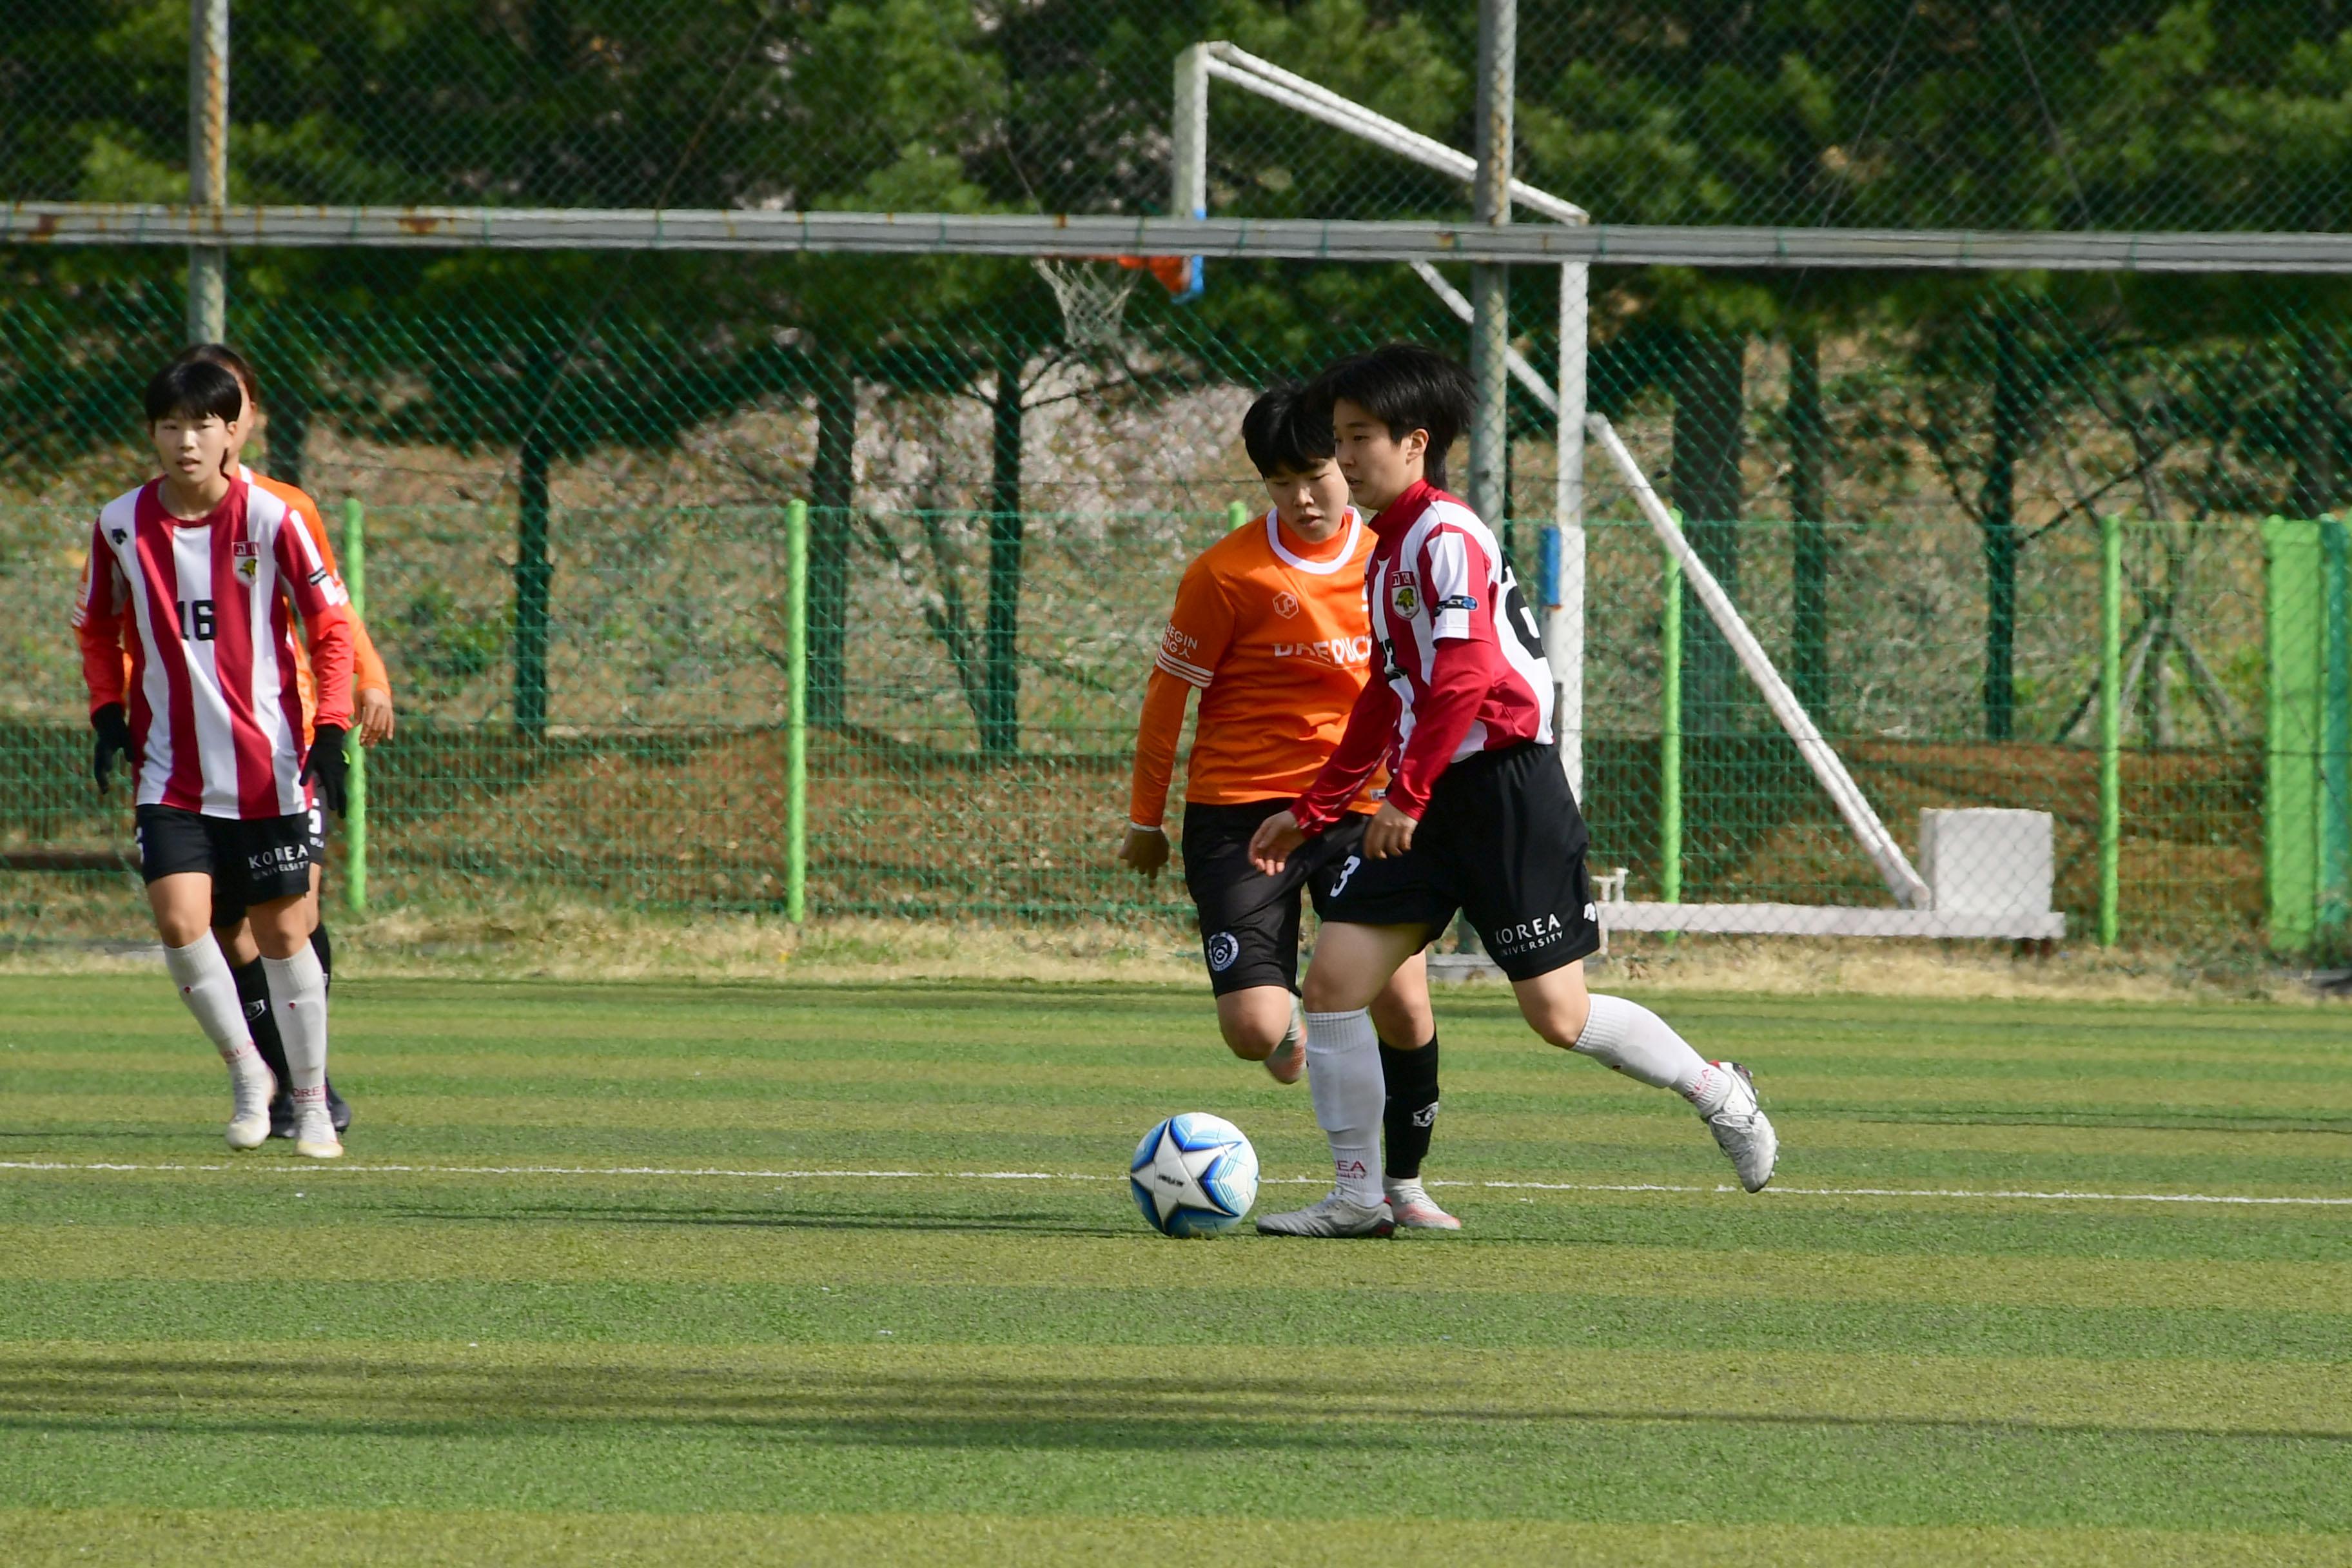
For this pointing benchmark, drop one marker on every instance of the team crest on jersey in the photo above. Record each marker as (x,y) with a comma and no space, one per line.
(248,567)
(1286,604)
(1404,594)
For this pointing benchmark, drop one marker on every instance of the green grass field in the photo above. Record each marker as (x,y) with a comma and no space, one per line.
(630,1273)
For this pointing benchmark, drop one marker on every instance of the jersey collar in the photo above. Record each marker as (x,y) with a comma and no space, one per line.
(1400,513)
(1301,563)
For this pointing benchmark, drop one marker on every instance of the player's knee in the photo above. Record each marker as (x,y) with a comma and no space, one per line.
(1250,1043)
(1558,1019)
(177,929)
(1328,991)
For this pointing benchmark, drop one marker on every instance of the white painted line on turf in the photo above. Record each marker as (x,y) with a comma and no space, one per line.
(1981,1194)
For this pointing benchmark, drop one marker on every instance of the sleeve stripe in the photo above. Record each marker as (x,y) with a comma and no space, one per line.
(1191,674)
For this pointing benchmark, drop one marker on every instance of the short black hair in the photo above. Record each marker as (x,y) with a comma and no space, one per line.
(1284,434)
(1406,387)
(195,389)
(229,360)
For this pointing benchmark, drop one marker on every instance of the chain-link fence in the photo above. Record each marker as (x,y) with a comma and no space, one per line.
(574,468)
(1925,576)
(2113,114)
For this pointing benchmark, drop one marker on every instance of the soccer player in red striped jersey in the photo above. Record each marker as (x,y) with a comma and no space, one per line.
(200,575)
(1478,817)
(373,719)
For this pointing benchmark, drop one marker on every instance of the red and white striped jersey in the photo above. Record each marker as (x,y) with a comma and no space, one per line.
(206,609)
(1461,657)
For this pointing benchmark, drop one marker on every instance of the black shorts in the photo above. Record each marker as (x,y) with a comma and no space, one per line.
(251,861)
(1502,842)
(1249,921)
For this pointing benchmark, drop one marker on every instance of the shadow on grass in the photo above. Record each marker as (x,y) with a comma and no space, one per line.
(1014,1223)
(849,1406)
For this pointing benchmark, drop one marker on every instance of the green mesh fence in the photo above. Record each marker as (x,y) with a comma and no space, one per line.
(1904,113)
(574,469)
(1915,543)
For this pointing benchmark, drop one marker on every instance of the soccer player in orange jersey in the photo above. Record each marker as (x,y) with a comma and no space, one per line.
(1270,627)
(374,721)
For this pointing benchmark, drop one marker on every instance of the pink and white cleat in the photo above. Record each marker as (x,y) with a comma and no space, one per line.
(1415,1209)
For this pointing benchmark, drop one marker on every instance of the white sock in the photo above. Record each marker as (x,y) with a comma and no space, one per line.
(210,991)
(1343,1076)
(1640,1045)
(299,990)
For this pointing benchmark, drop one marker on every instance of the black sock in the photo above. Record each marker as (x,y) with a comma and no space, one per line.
(1412,1112)
(325,948)
(261,1021)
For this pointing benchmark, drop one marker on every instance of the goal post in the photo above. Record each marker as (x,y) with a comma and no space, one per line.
(1861,817)
(1560,576)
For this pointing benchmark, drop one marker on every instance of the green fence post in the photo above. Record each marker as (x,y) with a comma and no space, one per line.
(1236,516)
(2111,725)
(2293,602)
(2335,740)
(355,815)
(796,711)
(1670,738)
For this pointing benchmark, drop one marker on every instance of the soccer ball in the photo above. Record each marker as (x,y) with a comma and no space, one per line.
(1194,1174)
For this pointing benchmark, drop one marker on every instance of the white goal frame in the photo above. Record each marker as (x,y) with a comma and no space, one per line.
(1560,579)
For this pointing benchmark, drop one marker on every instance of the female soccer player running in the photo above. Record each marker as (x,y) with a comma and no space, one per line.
(1269,629)
(372,713)
(1478,817)
(199,573)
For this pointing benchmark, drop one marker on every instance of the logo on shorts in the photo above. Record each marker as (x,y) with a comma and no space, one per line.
(1347,869)
(1527,936)
(1224,949)
(1286,605)
(1404,594)
(279,857)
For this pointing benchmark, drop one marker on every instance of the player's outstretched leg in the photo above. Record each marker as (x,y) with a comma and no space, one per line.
(1408,1072)
(210,992)
(1636,1042)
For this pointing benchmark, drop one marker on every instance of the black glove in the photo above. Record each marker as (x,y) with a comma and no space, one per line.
(113,740)
(326,766)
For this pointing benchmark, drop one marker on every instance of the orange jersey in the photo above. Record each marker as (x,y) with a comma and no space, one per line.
(1274,634)
(367,668)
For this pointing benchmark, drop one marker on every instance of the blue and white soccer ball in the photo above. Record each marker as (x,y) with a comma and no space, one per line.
(1194,1174)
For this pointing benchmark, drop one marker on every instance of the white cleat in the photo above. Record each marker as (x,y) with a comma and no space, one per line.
(314,1131)
(1336,1214)
(1415,1210)
(251,1089)
(1743,1130)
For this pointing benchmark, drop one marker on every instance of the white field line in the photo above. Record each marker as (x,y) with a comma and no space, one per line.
(707,1172)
